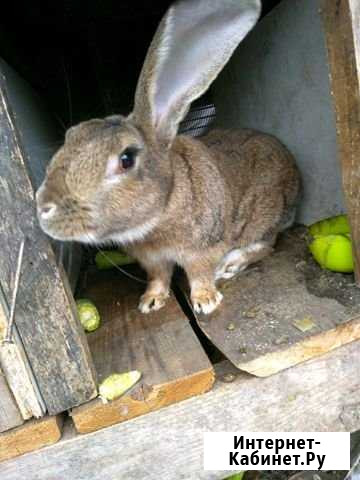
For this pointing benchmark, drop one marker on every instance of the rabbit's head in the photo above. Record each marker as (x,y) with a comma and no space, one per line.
(105,183)
(113,177)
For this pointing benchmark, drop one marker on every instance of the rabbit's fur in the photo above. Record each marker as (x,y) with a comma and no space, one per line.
(211,206)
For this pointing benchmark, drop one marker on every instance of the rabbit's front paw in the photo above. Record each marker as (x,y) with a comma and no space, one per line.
(152,301)
(206,300)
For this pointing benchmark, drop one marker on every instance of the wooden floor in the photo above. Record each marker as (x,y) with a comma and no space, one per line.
(318,395)
(284,310)
(259,327)
(33,435)
(161,345)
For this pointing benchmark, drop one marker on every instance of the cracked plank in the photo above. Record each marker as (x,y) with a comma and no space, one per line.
(10,416)
(161,345)
(259,325)
(18,373)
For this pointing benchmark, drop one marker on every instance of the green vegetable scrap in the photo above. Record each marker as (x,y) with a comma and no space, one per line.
(333,252)
(330,226)
(88,314)
(331,244)
(236,476)
(117,384)
(107,259)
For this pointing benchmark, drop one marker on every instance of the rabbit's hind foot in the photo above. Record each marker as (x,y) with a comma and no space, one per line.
(239,259)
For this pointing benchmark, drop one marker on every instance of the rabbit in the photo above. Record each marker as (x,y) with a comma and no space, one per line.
(211,205)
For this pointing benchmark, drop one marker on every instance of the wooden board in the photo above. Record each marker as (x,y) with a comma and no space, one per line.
(256,325)
(39,138)
(342,29)
(355,455)
(45,313)
(161,345)
(34,434)
(18,373)
(10,416)
(319,395)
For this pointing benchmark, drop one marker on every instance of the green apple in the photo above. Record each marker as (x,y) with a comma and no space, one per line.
(330,226)
(333,252)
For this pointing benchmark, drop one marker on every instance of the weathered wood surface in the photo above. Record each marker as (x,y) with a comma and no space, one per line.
(316,475)
(39,137)
(10,416)
(319,395)
(17,371)
(256,326)
(342,29)
(161,345)
(354,473)
(45,313)
(34,434)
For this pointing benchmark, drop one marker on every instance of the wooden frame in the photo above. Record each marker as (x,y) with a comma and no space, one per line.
(168,443)
(342,29)
(46,320)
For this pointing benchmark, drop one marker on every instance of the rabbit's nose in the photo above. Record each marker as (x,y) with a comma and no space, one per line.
(47,210)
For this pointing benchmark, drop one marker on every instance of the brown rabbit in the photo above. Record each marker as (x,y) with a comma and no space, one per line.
(210,206)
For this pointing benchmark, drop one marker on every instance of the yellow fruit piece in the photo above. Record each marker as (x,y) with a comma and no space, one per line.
(88,314)
(117,384)
(333,252)
(330,226)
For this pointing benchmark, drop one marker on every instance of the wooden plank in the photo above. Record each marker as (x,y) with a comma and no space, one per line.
(257,325)
(10,416)
(314,475)
(31,436)
(342,30)
(161,345)
(45,314)
(39,139)
(319,395)
(17,371)
(354,456)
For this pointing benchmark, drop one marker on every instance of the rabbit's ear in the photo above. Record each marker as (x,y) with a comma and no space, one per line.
(193,42)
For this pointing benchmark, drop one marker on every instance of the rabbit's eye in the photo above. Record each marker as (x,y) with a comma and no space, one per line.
(127,158)
(117,164)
